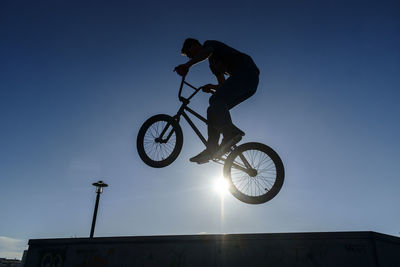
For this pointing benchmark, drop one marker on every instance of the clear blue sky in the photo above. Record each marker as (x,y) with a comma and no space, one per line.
(78,78)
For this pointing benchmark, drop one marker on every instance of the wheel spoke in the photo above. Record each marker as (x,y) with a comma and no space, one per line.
(262,182)
(157,151)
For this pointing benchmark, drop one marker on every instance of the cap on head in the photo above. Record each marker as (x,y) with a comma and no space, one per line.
(189,42)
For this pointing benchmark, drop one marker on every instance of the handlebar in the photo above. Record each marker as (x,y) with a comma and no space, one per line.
(196,90)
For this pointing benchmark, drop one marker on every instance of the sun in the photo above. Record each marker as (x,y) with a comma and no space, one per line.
(221,186)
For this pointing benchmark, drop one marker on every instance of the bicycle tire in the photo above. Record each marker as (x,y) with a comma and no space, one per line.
(156,154)
(268,181)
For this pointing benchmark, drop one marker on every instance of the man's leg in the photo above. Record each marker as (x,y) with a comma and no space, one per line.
(212,143)
(213,137)
(233,91)
(218,115)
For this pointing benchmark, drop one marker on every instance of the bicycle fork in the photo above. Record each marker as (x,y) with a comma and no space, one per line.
(160,138)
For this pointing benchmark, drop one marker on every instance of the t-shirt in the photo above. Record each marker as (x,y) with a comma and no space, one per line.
(225,59)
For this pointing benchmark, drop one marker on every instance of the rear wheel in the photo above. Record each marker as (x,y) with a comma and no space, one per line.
(255,173)
(159,141)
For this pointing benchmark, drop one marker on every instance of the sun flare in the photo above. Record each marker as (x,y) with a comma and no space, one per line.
(221,186)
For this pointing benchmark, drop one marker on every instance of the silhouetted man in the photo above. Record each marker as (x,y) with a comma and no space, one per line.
(240,85)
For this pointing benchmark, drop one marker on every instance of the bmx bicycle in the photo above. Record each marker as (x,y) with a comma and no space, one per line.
(254,171)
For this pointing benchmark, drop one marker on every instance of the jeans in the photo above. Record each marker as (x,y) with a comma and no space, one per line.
(241,85)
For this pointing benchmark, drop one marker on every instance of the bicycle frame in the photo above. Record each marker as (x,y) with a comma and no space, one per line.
(184,107)
(181,112)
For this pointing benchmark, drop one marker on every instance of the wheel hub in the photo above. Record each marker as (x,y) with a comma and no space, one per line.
(160,140)
(252,172)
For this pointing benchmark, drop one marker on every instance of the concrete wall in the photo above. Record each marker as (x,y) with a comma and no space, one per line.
(364,249)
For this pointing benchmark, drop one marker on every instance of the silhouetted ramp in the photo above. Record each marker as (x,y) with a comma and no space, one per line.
(364,249)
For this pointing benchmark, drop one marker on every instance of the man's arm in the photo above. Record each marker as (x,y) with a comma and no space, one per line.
(210,88)
(220,78)
(203,54)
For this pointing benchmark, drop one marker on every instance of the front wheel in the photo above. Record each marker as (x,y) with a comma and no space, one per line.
(255,173)
(159,141)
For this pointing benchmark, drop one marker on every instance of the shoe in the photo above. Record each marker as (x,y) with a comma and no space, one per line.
(226,145)
(203,157)
(237,131)
(228,142)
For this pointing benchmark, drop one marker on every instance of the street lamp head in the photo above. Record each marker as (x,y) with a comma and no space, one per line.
(99,186)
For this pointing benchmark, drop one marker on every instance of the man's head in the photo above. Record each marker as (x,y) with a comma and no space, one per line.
(190,47)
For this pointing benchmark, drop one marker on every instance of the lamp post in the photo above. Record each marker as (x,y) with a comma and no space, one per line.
(99,189)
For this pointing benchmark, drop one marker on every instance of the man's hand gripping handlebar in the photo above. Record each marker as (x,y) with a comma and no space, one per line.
(182,69)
